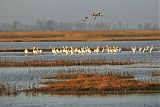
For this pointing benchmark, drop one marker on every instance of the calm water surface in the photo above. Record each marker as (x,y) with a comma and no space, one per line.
(125,44)
(150,100)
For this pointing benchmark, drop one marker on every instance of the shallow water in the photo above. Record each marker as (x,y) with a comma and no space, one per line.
(28,76)
(125,44)
(25,76)
(134,100)
(137,57)
(19,56)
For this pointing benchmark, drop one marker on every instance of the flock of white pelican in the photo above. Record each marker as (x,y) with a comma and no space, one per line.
(87,50)
(142,49)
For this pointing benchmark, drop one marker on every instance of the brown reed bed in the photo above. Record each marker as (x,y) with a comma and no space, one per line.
(96,83)
(63,62)
(111,35)
(155,73)
(75,73)
(6,89)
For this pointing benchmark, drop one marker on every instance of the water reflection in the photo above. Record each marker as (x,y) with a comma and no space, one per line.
(134,100)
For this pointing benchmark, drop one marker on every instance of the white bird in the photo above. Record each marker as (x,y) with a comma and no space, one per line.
(54,51)
(151,49)
(103,50)
(100,14)
(39,51)
(146,49)
(133,49)
(119,49)
(26,51)
(95,15)
(85,18)
(140,49)
(96,50)
(34,50)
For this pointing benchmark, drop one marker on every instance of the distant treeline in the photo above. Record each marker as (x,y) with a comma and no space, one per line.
(51,25)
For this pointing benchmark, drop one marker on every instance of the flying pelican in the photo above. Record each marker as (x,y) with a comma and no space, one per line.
(100,14)
(85,18)
(96,14)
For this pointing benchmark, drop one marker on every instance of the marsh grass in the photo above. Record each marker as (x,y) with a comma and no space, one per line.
(63,62)
(118,35)
(155,73)
(75,73)
(6,89)
(84,82)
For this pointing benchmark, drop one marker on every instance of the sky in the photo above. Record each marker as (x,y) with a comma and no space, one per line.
(127,11)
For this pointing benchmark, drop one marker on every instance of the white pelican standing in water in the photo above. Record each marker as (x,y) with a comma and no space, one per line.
(134,49)
(34,50)
(39,51)
(96,50)
(151,49)
(53,50)
(140,49)
(26,51)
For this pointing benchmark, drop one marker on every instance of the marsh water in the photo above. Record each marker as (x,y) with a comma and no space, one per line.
(22,77)
(149,100)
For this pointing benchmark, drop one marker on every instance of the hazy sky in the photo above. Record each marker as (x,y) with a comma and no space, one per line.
(127,11)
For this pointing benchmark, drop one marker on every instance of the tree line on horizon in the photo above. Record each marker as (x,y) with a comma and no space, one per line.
(51,25)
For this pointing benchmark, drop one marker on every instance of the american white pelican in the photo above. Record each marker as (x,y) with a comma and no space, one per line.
(85,18)
(95,15)
(146,49)
(26,51)
(96,50)
(34,50)
(151,49)
(140,49)
(39,51)
(134,49)
(103,50)
(54,51)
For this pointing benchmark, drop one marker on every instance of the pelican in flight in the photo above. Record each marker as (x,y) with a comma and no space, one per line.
(95,15)
(85,18)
